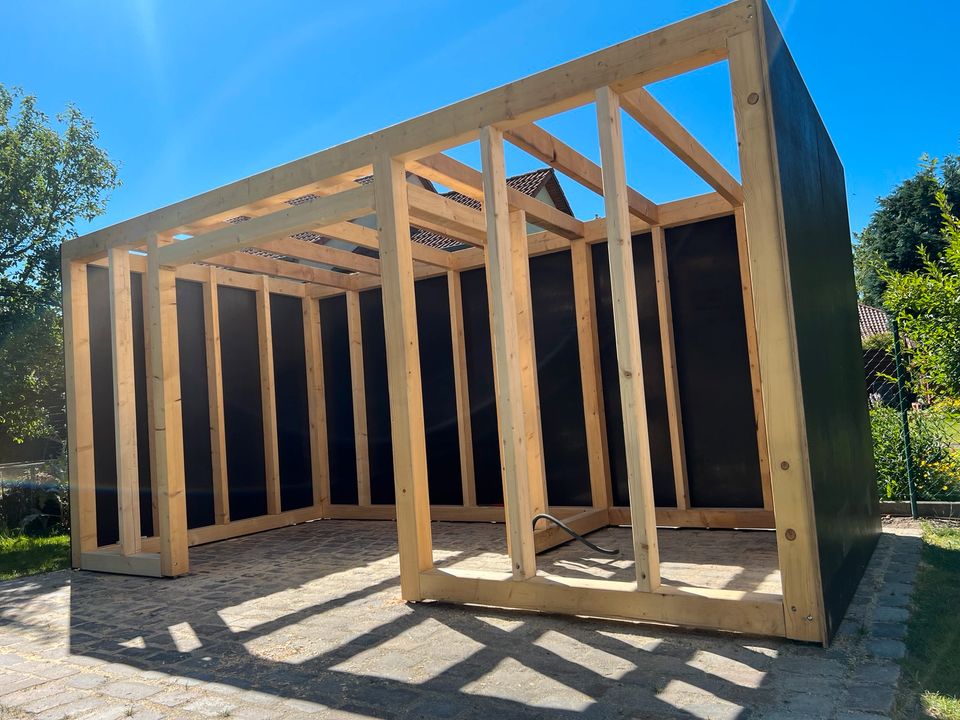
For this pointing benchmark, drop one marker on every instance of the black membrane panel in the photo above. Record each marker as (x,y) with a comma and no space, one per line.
(198,465)
(651,354)
(338,393)
(293,410)
(713,365)
(379,446)
(242,409)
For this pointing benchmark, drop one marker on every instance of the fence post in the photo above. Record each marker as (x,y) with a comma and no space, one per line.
(904,420)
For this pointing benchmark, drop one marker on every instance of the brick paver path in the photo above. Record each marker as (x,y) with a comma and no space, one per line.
(306,622)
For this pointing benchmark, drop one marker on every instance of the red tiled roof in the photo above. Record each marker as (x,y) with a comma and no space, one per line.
(873,321)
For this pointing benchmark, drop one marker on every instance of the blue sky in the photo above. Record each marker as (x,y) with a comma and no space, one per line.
(191,95)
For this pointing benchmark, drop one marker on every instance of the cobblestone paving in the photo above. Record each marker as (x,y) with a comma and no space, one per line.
(306,622)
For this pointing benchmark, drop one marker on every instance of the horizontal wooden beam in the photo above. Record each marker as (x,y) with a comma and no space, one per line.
(111,560)
(435,212)
(328,210)
(306,250)
(282,269)
(642,107)
(755,613)
(468,181)
(542,145)
(672,50)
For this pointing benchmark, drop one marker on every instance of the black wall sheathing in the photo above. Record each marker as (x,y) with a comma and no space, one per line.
(713,365)
(101,381)
(293,410)
(483,401)
(140,387)
(558,376)
(651,354)
(834,396)
(195,404)
(379,445)
(338,392)
(242,409)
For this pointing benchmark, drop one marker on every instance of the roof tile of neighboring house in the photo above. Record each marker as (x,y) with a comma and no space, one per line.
(873,321)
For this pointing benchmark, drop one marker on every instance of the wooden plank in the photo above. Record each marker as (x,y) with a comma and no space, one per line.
(268,397)
(642,107)
(313,252)
(776,336)
(319,451)
(403,376)
(167,419)
(536,472)
(681,47)
(283,269)
(550,536)
(328,210)
(438,513)
(462,390)
(753,353)
(542,145)
(359,397)
(124,401)
(218,441)
(754,613)
(142,564)
(601,491)
(79,402)
(467,181)
(626,327)
(671,382)
(139,264)
(702,517)
(446,216)
(508,373)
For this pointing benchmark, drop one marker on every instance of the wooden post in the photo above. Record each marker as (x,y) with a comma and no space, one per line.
(776,343)
(627,329)
(76,345)
(355,333)
(319,454)
(674,413)
(268,397)
(218,442)
(148,371)
(462,388)
(124,400)
(167,420)
(507,356)
(601,491)
(403,376)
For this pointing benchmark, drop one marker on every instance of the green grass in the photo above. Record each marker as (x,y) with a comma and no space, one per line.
(931,669)
(24,555)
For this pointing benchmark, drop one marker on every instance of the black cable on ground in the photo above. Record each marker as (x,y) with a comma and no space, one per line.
(573,533)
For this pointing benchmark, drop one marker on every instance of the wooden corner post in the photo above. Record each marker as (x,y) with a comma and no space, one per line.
(403,375)
(776,339)
(508,366)
(167,420)
(627,331)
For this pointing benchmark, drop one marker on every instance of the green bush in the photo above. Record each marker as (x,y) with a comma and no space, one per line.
(936,461)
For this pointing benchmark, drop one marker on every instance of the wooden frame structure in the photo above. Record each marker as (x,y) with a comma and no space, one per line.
(822,536)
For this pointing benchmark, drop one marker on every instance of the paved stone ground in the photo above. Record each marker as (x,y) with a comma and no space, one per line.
(306,622)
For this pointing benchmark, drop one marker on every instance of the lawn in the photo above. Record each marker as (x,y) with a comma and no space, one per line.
(931,669)
(24,555)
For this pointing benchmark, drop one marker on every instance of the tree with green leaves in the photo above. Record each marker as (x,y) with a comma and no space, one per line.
(905,220)
(52,174)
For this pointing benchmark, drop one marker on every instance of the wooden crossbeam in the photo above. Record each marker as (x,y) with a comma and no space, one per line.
(446,216)
(542,145)
(367,237)
(642,107)
(467,181)
(328,210)
(283,269)
(307,250)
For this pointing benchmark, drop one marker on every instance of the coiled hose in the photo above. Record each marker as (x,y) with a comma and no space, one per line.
(574,534)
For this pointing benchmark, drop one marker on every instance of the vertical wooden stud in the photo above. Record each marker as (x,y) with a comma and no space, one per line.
(167,420)
(355,332)
(148,370)
(218,441)
(674,414)
(627,330)
(462,389)
(319,454)
(124,400)
(76,344)
(601,492)
(268,397)
(776,342)
(403,375)
(502,290)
